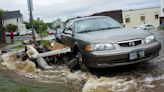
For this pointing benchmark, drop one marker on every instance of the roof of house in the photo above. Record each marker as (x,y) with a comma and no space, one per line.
(11,14)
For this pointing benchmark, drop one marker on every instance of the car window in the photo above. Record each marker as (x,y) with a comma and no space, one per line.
(69,25)
(95,24)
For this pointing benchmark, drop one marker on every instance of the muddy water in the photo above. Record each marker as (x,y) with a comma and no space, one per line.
(19,76)
(145,77)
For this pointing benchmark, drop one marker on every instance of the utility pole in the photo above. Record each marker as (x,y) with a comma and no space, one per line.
(162,8)
(30,8)
(40,29)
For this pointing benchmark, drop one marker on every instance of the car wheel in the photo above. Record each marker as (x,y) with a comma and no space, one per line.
(82,66)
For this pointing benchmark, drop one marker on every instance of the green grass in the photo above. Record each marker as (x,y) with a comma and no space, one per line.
(23,89)
(19,46)
(44,34)
(18,88)
(43,42)
(46,43)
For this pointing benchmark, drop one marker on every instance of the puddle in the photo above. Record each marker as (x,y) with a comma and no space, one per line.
(80,81)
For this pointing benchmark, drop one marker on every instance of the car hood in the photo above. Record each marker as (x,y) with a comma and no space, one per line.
(113,35)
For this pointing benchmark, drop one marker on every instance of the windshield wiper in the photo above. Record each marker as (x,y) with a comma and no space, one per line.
(86,31)
(108,28)
(115,27)
(104,28)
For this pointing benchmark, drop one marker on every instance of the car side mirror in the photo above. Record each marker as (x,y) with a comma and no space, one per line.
(68,32)
(69,29)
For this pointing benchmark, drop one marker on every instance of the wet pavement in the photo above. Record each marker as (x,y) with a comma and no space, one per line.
(142,77)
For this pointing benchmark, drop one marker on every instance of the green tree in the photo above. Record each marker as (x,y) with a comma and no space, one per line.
(1,11)
(11,27)
(49,25)
(39,26)
(28,25)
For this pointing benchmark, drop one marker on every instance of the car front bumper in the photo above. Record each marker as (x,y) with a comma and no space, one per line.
(119,57)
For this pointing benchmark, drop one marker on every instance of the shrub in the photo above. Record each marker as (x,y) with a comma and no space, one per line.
(11,27)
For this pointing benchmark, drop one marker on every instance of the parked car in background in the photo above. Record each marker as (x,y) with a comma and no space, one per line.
(102,42)
(58,34)
(51,32)
(146,27)
(25,32)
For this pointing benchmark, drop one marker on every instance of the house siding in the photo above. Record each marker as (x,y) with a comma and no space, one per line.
(141,16)
(117,15)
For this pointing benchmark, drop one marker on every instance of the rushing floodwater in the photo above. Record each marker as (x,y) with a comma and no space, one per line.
(145,77)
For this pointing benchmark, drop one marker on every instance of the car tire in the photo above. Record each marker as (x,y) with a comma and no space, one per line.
(82,65)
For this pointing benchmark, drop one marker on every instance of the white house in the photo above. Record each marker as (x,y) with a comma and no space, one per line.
(136,17)
(56,23)
(15,18)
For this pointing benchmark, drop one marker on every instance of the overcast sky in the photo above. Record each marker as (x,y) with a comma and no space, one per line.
(49,10)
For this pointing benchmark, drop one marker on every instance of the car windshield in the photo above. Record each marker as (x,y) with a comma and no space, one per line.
(95,24)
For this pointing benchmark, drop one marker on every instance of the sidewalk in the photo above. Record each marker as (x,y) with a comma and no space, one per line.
(10,46)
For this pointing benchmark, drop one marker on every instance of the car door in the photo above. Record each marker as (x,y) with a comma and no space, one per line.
(67,36)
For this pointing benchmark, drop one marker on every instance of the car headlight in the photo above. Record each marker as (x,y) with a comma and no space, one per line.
(150,39)
(99,47)
(52,44)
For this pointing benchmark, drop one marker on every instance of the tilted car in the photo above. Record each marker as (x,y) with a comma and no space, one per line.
(25,32)
(102,42)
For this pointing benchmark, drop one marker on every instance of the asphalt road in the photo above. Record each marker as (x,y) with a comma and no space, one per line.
(160,37)
(19,38)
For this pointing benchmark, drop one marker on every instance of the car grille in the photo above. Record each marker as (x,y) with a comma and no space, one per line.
(130,43)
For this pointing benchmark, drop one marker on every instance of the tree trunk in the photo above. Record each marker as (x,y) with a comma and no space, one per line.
(2,33)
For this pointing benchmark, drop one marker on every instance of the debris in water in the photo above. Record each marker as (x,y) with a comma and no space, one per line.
(1,60)
(79,81)
(26,66)
(97,85)
(150,86)
(11,62)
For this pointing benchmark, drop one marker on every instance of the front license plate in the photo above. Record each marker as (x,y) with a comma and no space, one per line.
(136,54)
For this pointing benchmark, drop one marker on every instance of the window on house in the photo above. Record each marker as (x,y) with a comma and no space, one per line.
(127,20)
(156,16)
(142,18)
